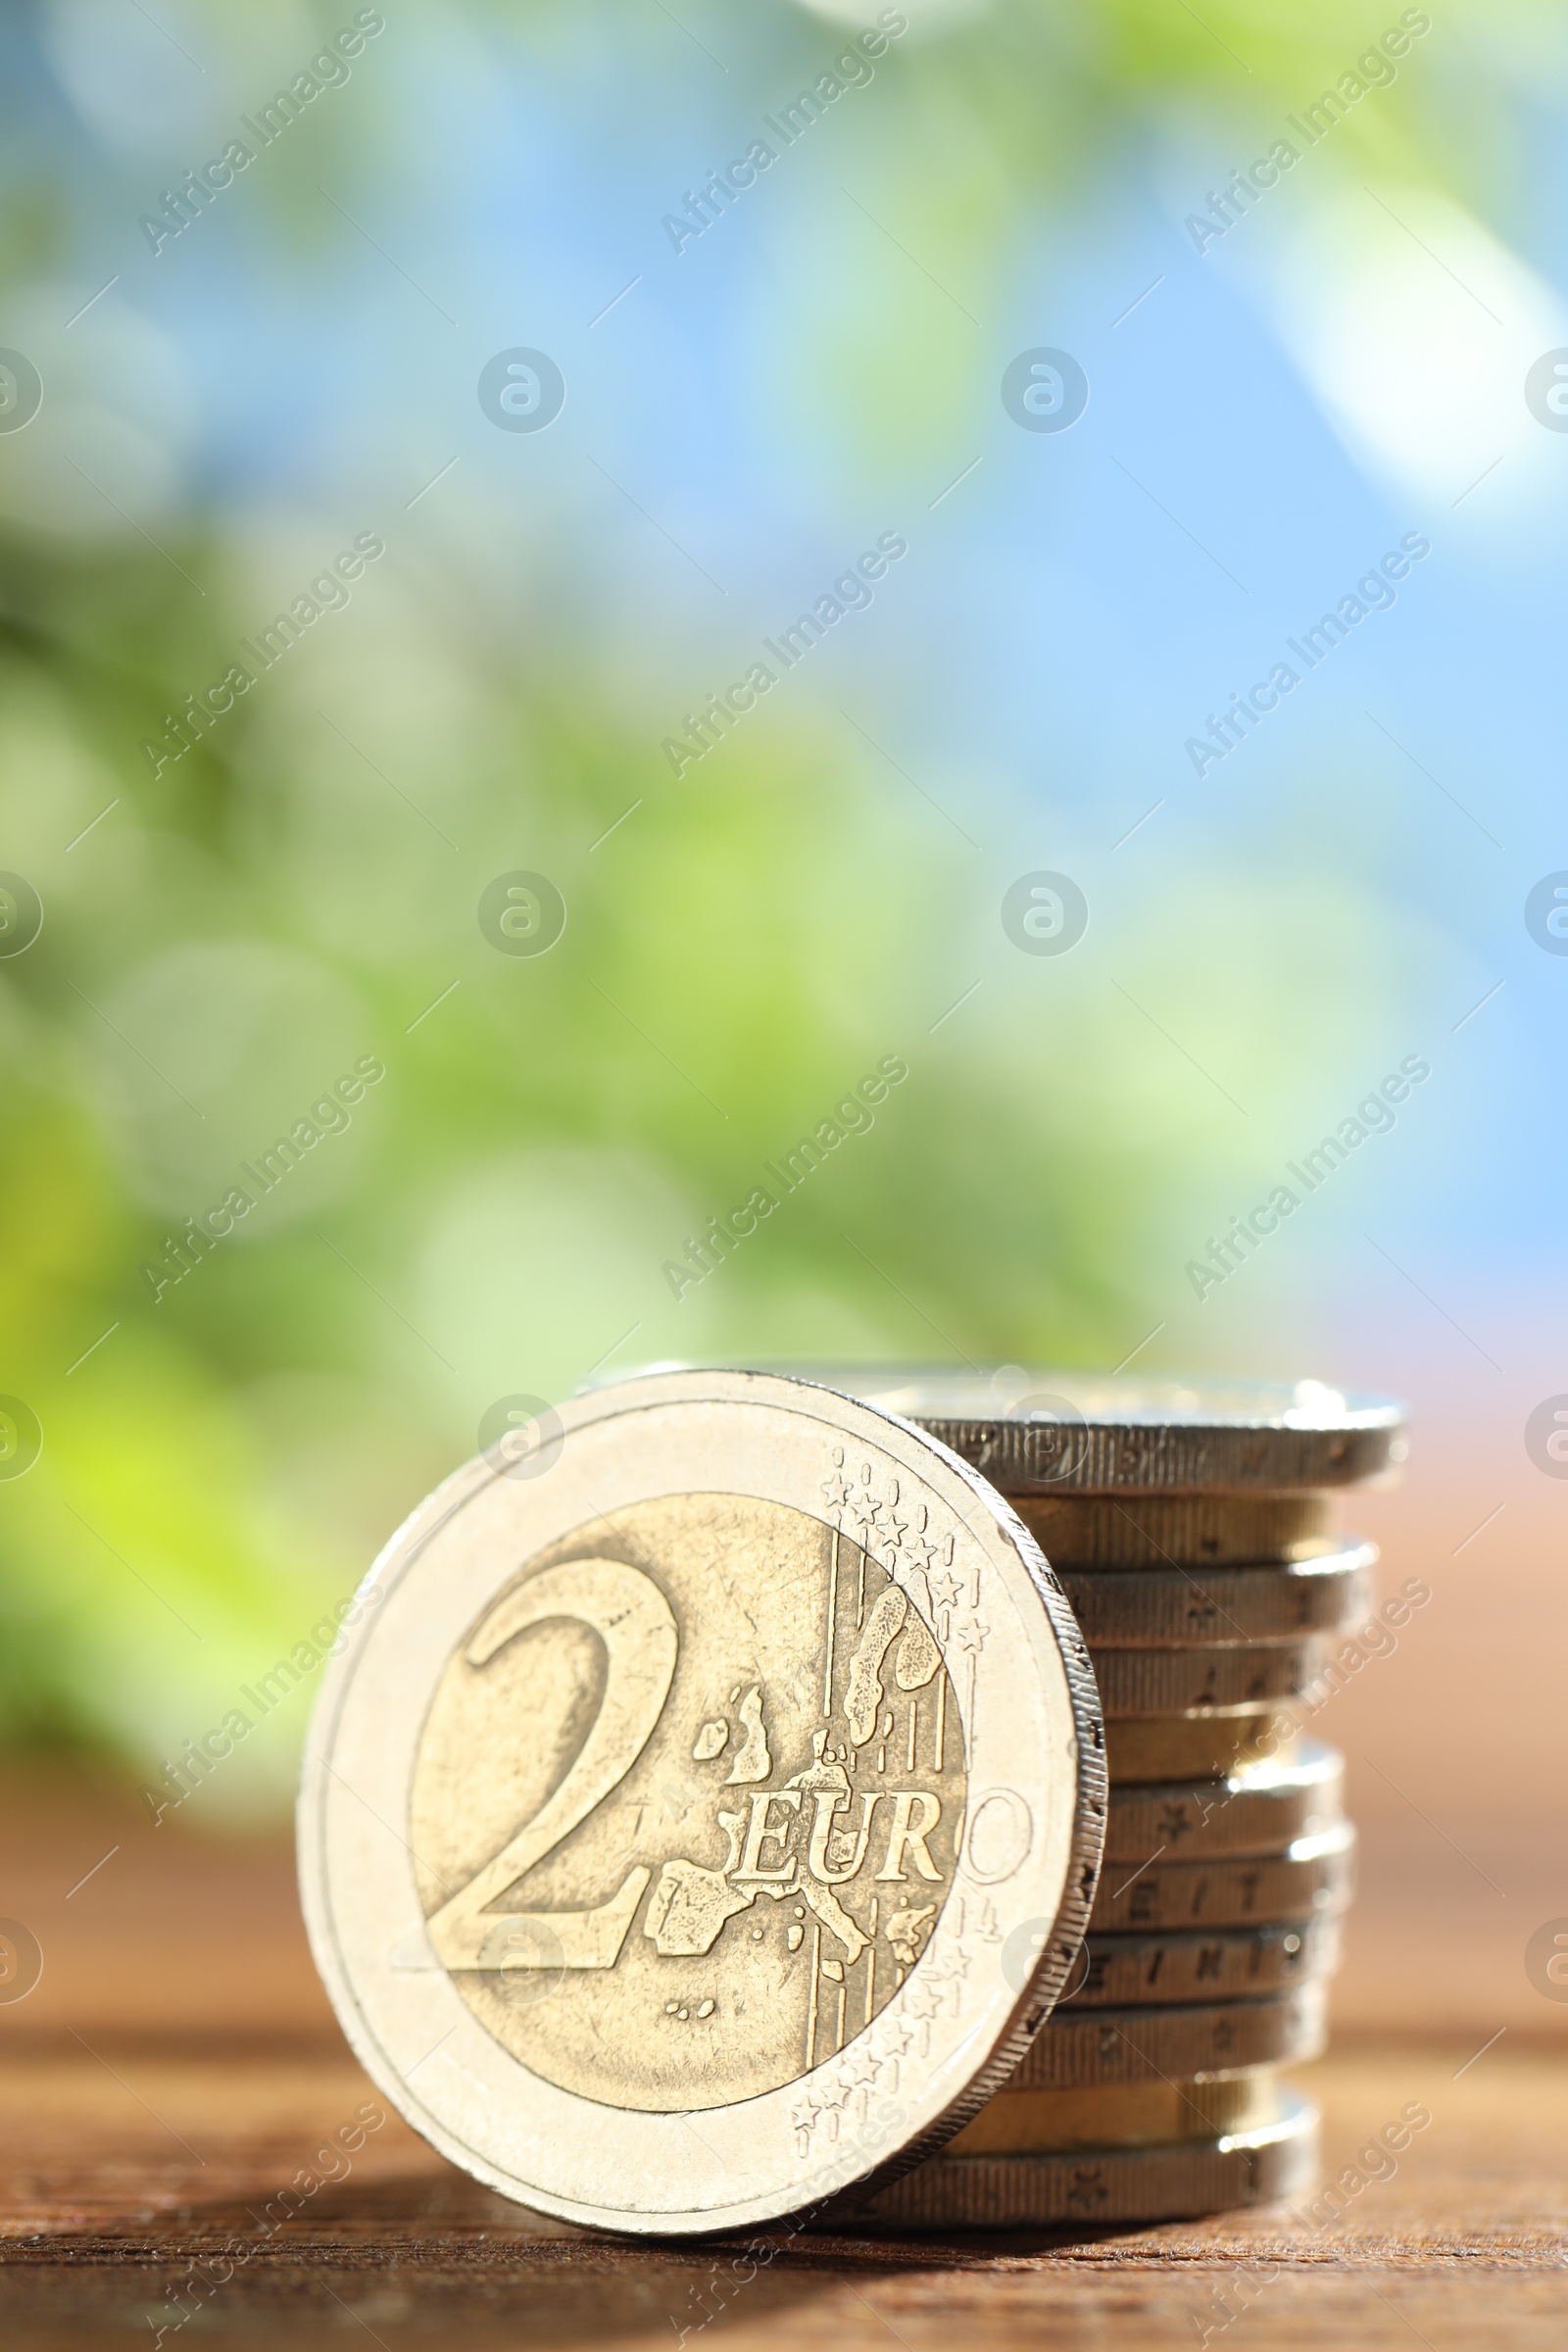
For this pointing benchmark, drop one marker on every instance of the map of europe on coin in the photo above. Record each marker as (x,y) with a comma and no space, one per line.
(663,1822)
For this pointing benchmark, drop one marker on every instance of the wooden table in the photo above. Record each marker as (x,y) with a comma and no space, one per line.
(177,2067)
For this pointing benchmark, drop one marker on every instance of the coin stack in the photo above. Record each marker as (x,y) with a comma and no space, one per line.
(1192,1529)
(695,1834)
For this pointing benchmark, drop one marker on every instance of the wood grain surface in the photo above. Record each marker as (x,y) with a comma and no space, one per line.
(177,2068)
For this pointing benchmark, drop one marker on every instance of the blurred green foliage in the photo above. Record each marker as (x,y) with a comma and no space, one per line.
(224,937)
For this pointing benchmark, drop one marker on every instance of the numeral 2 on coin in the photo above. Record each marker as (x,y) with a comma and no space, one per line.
(633,1618)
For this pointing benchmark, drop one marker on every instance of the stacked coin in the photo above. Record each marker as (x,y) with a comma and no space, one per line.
(652,1805)
(1190,1527)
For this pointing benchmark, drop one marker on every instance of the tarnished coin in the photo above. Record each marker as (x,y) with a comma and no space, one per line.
(1043,1432)
(1084,2188)
(1260,1810)
(1142,2045)
(1175,1682)
(1147,1608)
(1124,1972)
(662,1817)
(1205,1745)
(1120,2114)
(1090,1532)
(1314,1876)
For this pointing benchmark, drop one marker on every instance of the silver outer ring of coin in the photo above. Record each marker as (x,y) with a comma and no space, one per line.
(1150,1609)
(1029,1715)
(1083,2186)
(1314,1877)
(1127,1435)
(1123,1971)
(1145,2046)
(1259,1811)
(1137,1682)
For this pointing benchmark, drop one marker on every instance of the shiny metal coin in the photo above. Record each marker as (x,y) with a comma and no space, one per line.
(1045,1432)
(1120,2115)
(1124,1972)
(1176,1682)
(1089,2188)
(1261,1810)
(1152,1606)
(1141,2046)
(1313,1876)
(1201,1745)
(662,1817)
(1090,1532)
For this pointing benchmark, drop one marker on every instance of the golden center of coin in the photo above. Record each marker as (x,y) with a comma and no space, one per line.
(748,1724)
